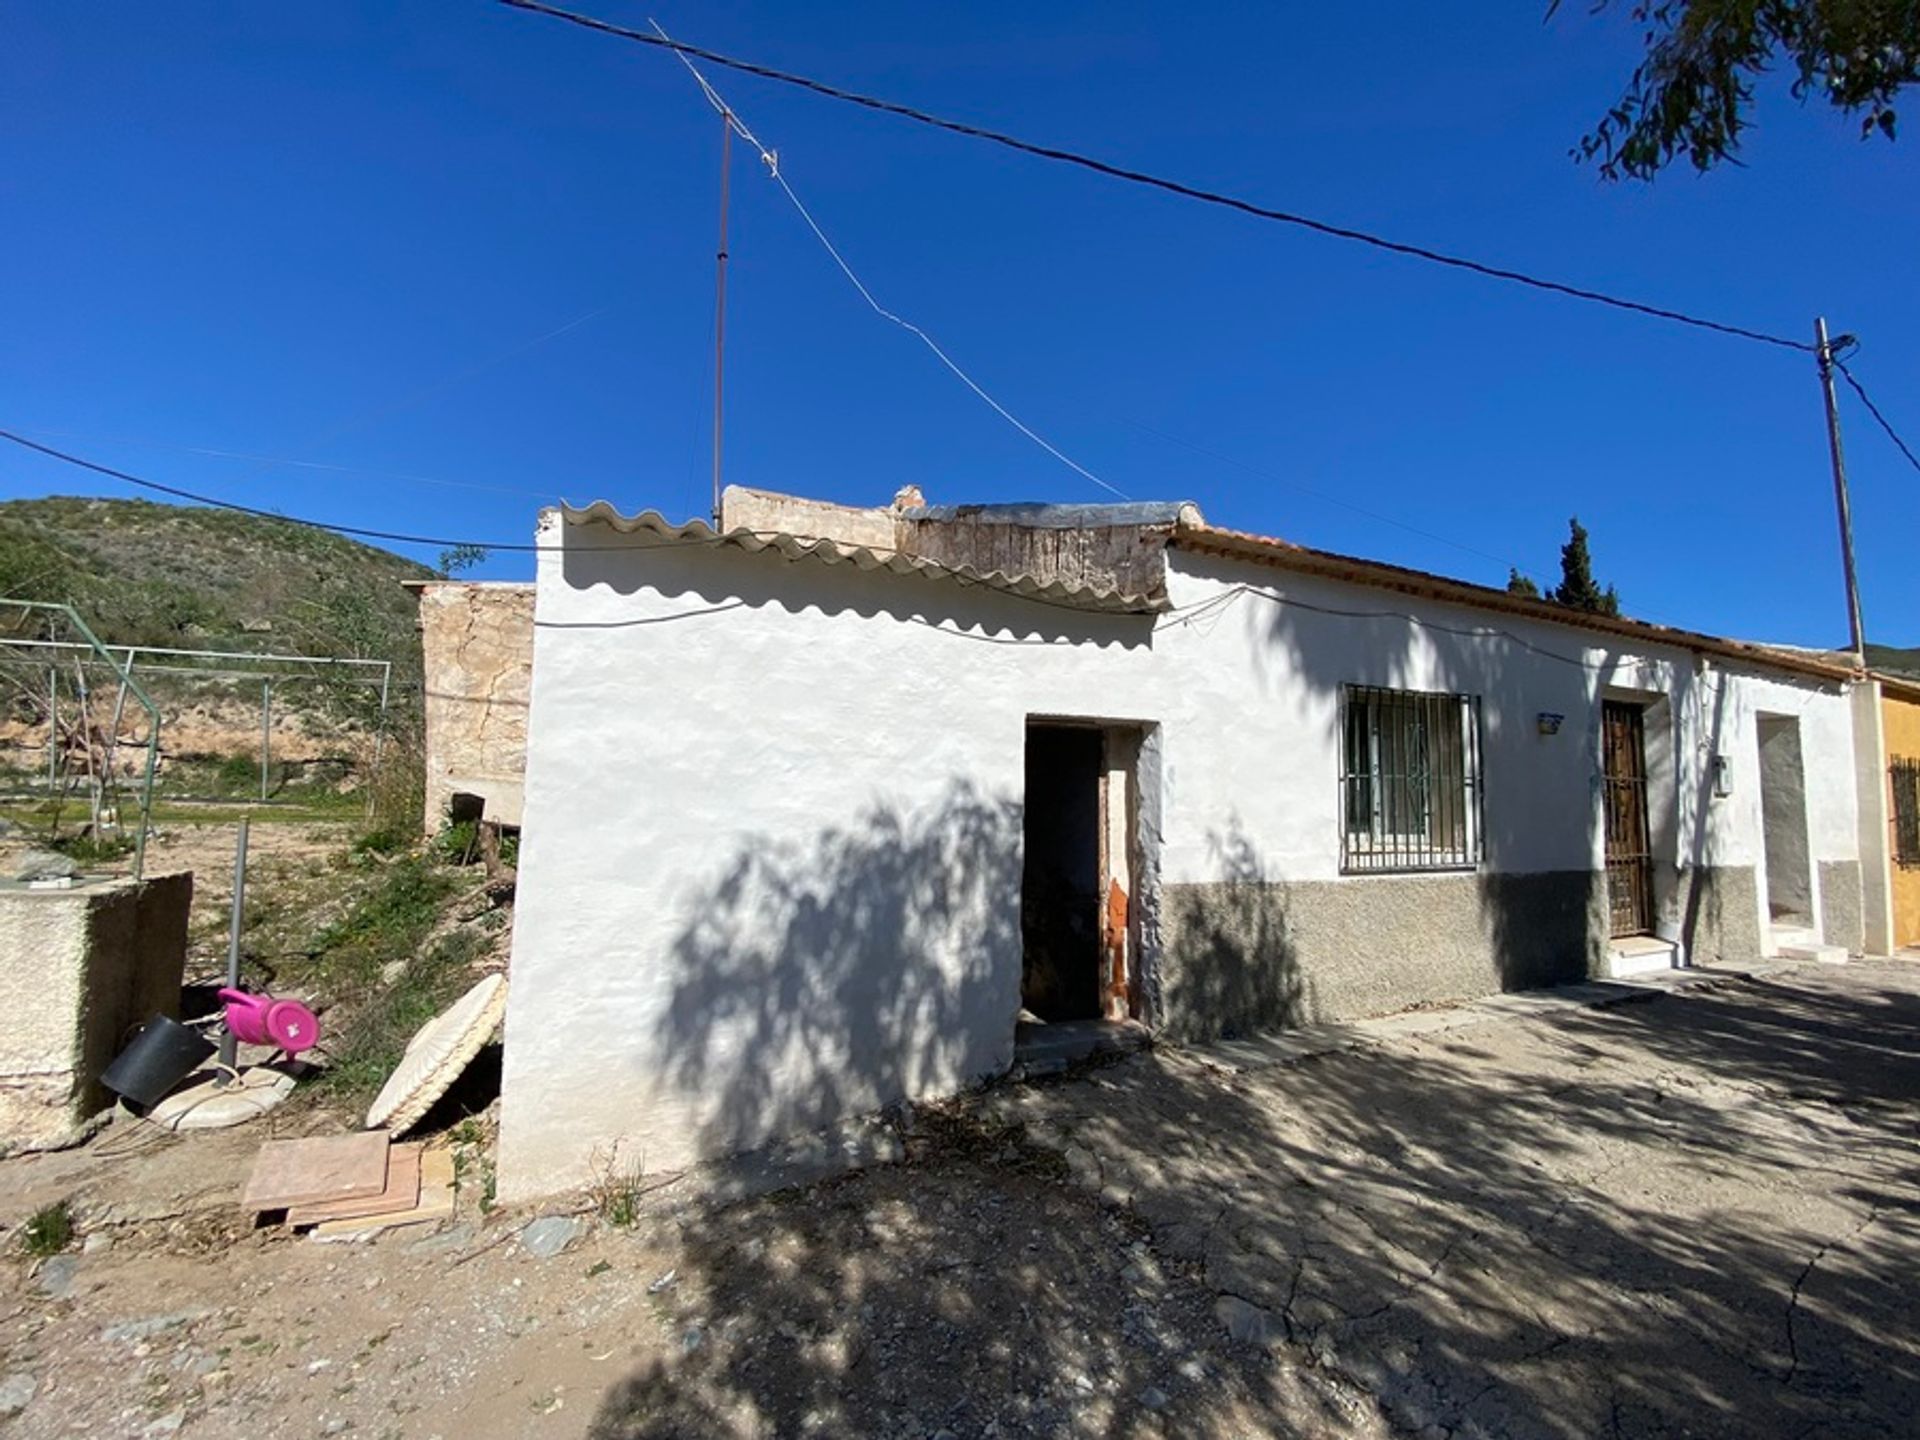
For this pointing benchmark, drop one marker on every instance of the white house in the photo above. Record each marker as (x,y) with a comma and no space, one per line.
(818,805)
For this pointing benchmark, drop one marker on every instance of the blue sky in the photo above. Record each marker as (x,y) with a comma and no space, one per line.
(345,234)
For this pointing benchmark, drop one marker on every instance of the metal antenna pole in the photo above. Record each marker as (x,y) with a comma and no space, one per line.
(1823,353)
(720,303)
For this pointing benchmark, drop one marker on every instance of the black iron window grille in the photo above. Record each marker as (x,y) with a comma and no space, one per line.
(1410,795)
(1905,776)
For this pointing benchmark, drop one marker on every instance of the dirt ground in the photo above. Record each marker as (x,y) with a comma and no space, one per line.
(1694,1214)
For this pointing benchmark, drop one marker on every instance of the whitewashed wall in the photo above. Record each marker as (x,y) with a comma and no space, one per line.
(771,865)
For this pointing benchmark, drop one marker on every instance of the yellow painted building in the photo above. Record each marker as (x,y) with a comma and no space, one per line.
(1900,728)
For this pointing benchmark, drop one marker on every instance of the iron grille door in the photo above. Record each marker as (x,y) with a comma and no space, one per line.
(1904,776)
(1629,849)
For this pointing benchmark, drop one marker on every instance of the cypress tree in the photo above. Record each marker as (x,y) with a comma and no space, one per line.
(1577,589)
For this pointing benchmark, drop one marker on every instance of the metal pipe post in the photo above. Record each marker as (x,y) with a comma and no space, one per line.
(266,735)
(229,1042)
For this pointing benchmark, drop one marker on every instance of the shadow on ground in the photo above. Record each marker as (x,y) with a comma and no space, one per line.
(1694,1214)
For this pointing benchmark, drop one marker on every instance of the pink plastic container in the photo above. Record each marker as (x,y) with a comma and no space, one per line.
(262,1020)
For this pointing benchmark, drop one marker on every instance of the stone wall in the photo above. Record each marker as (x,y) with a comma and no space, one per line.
(476,642)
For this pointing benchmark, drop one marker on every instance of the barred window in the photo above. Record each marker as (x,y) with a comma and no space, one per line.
(1409,780)
(1905,776)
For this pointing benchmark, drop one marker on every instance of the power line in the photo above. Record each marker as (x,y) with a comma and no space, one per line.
(359,532)
(956,573)
(402,475)
(1158,182)
(772,161)
(1874,410)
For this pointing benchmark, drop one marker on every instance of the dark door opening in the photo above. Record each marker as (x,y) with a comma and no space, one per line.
(1623,744)
(1060,902)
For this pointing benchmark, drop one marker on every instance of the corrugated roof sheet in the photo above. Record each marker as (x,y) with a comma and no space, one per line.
(1195,534)
(862,557)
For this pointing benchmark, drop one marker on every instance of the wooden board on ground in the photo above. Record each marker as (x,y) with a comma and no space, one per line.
(402,1193)
(318,1169)
(436,1202)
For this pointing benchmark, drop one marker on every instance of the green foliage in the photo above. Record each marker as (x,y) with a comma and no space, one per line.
(48,1231)
(1692,92)
(389,922)
(147,574)
(617,1192)
(238,775)
(458,843)
(1577,589)
(1521,585)
(384,1021)
(381,840)
(90,849)
(461,557)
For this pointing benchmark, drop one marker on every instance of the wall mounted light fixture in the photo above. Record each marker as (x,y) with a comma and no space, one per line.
(1550,723)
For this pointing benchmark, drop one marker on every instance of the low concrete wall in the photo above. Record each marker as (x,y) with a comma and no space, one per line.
(79,969)
(1245,956)
(1842,916)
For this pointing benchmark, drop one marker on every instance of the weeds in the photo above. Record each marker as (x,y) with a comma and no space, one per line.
(48,1231)
(458,843)
(389,922)
(381,1026)
(617,1191)
(93,850)
(387,839)
(471,1158)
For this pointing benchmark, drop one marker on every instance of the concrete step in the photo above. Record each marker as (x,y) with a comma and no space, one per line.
(1642,955)
(1802,942)
(1825,954)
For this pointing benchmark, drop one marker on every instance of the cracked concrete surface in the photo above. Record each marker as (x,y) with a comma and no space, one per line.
(1693,1215)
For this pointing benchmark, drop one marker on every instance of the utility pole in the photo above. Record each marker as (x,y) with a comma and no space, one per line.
(720,304)
(1823,354)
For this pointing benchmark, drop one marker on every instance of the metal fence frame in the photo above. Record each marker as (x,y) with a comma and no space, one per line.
(128,686)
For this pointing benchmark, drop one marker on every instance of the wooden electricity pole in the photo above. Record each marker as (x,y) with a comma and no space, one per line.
(1823,354)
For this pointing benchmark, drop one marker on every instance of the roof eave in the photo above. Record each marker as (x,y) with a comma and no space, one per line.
(1238,544)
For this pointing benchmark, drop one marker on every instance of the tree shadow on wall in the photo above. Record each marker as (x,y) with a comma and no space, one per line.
(825,979)
(1233,968)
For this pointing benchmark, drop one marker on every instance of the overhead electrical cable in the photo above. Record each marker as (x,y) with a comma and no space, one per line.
(958,574)
(1159,182)
(772,161)
(1874,410)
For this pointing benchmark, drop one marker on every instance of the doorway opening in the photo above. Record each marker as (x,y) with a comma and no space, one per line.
(1783,823)
(1078,980)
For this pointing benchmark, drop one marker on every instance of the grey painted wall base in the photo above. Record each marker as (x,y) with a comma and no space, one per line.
(1719,915)
(1240,957)
(1842,908)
